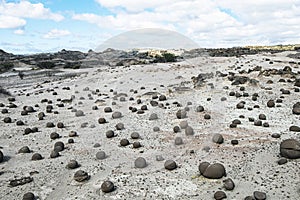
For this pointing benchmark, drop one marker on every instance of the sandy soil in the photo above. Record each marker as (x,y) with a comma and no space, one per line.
(252,164)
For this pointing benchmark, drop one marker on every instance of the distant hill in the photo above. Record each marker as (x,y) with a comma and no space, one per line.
(289,47)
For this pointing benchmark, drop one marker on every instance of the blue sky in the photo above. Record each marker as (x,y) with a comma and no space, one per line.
(32,26)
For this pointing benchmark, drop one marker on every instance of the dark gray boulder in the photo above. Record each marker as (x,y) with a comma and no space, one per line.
(290,148)
(218,138)
(215,171)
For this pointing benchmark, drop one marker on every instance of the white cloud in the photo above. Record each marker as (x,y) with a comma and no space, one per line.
(19,32)
(55,33)
(25,9)
(209,22)
(126,22)
(134,5)
(11,22)
(13,15)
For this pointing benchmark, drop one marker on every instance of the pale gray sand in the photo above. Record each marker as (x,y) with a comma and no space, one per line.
(252,164)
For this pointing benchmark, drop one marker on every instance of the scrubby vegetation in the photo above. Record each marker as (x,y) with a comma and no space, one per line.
(165,57)
(46,65)
(280,47)
(6,66)
(4,91)
(72,65)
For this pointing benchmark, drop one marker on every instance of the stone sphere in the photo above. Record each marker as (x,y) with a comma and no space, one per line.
(107,186)
(170,165)
(140,162)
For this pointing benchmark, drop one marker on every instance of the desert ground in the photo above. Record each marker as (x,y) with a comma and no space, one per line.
(235,111)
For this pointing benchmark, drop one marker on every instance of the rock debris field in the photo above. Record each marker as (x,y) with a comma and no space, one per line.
(202,128)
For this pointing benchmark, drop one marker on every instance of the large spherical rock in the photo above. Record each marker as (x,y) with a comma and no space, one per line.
(199,109)
(24,149)
(140,163)
(271,103)
(282,161)
(290,148)
(28,196)
(202,167)
(135,135)
(120,126)
(295,128)
(60,125)
(54,135)
(219,195)
(189,131)
(79,113)
(214,171)
(1,157)
(59,146)
(228,184)
(153,116)
(100,155)
(178,141)
(116,115)
(7,120)
(124,142)
(259,195)
(176,129)
(101,120)
(207,116)
(54,154)
(262,117)
(107,109)
(81,176)
(240,105)
(72,164)
(218,138)
(136,145)
(296,108)
(183,124)
(50,125)
(181,114)
(107,186)
(170,165)
(162,98)
(110,133)
(36,156)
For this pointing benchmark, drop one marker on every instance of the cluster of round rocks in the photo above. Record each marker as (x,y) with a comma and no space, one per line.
(289,148)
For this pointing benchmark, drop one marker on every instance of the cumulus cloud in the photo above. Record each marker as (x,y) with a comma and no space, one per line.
(19,32)
(11,22)
(134,5)
(55,33)
(209,22)
(13,15)
(25,9)
(126,22)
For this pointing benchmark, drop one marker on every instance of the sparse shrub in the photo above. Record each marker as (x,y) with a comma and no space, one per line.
(169,57)
(46,65)
(165,57)
(6,66)
(4,91)
(72,65)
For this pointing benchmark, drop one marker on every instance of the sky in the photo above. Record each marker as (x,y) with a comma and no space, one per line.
(35,26)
